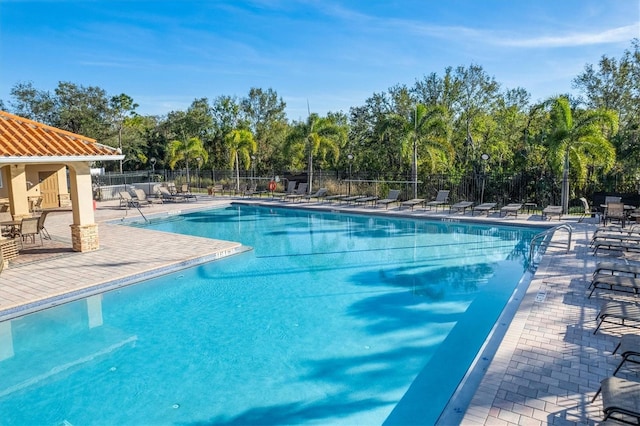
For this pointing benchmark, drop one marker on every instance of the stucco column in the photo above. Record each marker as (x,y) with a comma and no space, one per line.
(18,191)
(84,230)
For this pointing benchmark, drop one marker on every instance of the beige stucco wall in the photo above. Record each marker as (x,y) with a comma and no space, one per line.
(31,175)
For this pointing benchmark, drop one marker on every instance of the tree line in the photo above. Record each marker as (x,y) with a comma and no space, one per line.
(456,123)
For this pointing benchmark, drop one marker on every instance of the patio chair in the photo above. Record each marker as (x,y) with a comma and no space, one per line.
(165,195)
(366,199)
(441,198)
(291,189)
(619,312)
(620,400)
(319,195)
(615,268)
(143,199)
(6,230)
(629,347)
(549,211)
(392,197)
(511,209)
(412,202)
(483,208)
(250,191)
(300,192)
(350,198)
(29,229)
(36,206)
(461,206)
(588,211)
(41,229)
(610,282)
(336,197)
(614,211)
(126,200)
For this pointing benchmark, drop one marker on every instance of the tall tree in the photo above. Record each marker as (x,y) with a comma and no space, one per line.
(315,135)
(265,114)
(122,107)
(188,150)
(425,130)
(241,145)
(579,138)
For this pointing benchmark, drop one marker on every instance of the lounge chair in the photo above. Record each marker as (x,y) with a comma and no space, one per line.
(350,198)
(319,195)
(367,199)
(412,202)
(549,211)
(291,189)
(442,198)
(461,206)
(619,311)
(614,236)
(614,245)
(336,197)
(165,195)
(126,200)
(143,199)
(615,268)
(588,211)
(614,283)
(629,349)
(483,208)
(186,192)
(300,192)
(392,197)
(510,209)
(620,400)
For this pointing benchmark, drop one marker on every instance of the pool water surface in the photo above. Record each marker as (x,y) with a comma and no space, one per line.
(329,319)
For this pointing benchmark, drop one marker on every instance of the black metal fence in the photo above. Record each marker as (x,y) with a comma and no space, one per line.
(502,189)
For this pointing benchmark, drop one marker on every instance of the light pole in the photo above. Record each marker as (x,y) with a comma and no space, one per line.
(484,158)
(253,168)
(152,160)
(350,157)
(198,160)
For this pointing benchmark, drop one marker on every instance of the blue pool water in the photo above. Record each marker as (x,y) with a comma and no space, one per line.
(330,319)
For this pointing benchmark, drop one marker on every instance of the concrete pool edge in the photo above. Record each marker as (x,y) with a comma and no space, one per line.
(497,350)
(80,293)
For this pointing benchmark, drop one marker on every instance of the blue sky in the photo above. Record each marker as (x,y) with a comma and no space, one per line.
(333,54)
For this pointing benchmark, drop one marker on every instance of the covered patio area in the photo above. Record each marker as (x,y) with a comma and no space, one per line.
(43,168)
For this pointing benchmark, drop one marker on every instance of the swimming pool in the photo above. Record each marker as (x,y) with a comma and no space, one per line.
(331,318)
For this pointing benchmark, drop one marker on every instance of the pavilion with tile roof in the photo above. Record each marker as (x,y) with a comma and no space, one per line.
(41,161)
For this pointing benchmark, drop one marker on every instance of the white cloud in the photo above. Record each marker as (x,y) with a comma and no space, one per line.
(615,35)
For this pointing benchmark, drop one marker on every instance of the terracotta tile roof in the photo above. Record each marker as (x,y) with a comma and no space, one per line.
(24,138)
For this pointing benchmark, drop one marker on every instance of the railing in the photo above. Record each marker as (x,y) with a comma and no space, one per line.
(543,240)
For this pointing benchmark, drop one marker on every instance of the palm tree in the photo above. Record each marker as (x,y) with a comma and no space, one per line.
(241,144)
(579,139)
(186,151)
(317,135)
(425,132)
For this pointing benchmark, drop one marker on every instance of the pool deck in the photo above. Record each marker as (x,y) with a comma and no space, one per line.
(542,365)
